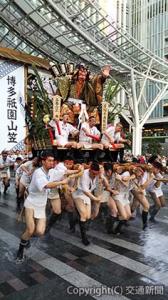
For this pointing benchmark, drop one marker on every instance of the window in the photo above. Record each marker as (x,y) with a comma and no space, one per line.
(165,110)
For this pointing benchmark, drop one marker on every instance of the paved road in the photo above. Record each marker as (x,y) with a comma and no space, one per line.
(58,266)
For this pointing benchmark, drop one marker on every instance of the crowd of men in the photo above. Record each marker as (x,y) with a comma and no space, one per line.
(89,137)
(81,190)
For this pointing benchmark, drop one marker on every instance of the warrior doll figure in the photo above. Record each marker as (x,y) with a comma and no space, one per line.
(82,86)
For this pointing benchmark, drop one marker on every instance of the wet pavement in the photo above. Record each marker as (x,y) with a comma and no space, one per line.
(133,265)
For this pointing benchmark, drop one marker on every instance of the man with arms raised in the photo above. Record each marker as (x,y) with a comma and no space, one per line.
(62,131)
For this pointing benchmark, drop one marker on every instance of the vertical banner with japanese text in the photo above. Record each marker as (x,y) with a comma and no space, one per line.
(12,91)
(104,120)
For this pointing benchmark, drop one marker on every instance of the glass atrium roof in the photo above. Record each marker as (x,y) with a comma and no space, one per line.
(75,31)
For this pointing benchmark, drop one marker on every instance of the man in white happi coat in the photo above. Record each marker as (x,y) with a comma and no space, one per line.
(35,203)
(5,163)
(62,131)
(89,135)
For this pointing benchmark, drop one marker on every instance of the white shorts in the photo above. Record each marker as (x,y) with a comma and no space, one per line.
(50,198)
(105,196)
(25,180)
(53,194)
(86,145)
(63,144)
(86,200)
(158,192)
(77,195)
(61,141)
(4,174)
(39,211)
(122,198)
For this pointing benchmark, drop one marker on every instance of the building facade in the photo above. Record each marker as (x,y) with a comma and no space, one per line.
(148,23)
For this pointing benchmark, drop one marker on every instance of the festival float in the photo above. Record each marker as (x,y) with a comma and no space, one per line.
(76,92)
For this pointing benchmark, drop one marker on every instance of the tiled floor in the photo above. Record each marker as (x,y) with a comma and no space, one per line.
(133,265)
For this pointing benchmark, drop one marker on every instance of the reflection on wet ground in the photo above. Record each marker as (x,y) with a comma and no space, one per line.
(136,259)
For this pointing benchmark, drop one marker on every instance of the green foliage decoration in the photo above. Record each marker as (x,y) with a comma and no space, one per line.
(38,105)
(110,91)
